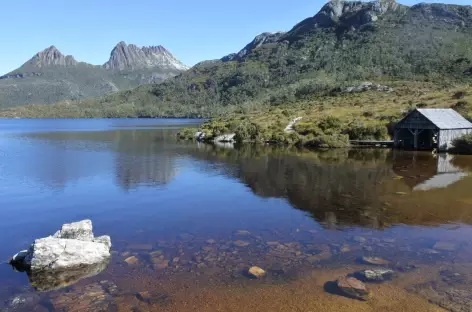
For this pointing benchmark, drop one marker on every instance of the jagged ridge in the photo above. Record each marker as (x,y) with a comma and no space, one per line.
(131,57)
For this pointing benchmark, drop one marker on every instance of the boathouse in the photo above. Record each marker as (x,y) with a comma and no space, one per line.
(430,128)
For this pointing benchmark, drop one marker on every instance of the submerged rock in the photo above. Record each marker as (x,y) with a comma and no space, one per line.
(445,246)
(132,260)
(353,288)
(256,272)
(60,260)
(150,298)
(375,275)
(23,302)
(240,243)
(374,261)
(89,298)
(48,280)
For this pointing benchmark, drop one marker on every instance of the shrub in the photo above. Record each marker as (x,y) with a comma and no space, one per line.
(462,145)
(330,125)
(362,131)
(306,128)
(329,141)
(187,134)
(248,131)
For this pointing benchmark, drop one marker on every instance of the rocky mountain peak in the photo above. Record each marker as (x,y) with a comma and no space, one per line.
(355,13)
(51,57)
(346,14)
(259,40)
(131,57)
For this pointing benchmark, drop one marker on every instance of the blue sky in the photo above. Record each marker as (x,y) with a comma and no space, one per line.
(192,30)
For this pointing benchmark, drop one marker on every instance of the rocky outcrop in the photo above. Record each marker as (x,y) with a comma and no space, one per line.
(345,14)
(71,253)
(261,39)
(132,57)
(51,57)
(367,86)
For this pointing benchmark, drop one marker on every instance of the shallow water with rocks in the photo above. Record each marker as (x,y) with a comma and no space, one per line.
(197,227)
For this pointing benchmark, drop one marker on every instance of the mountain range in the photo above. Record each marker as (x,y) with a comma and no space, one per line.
(50,76)
(346,42)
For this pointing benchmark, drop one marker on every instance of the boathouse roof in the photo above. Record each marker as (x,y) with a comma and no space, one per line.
(445,118)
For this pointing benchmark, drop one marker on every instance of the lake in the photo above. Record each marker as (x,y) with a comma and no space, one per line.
(193,218)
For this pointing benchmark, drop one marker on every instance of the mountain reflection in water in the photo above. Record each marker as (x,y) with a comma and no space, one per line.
(337,187)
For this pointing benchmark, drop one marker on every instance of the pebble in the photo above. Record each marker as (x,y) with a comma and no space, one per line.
(256,272)
(353,288)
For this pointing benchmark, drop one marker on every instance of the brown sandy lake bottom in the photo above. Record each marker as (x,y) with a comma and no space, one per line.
(187,221)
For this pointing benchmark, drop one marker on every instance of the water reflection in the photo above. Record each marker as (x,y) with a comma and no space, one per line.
(47,280)
(337,188)
(353,187)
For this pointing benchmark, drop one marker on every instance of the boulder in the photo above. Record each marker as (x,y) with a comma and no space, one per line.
(353,288)
(70,254)
(226,138)
(56,253)
(199,136)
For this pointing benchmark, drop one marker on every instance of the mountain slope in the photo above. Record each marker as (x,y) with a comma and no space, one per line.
(346,42)
(50,77)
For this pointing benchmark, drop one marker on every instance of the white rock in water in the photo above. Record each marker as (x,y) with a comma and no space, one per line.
(71,247)
(82,230)
(56,253)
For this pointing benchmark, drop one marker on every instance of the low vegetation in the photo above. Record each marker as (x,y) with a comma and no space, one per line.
(332,120)
(463,145)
